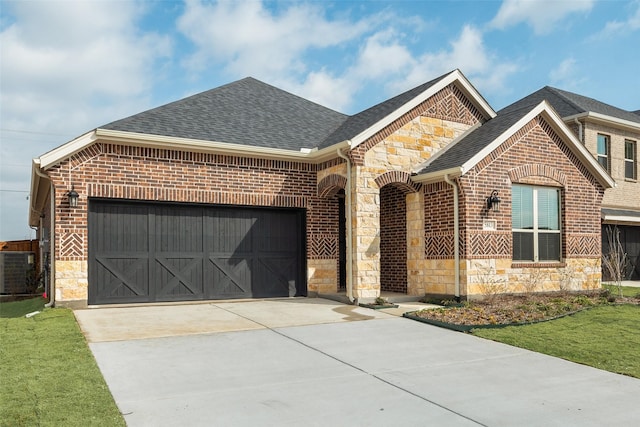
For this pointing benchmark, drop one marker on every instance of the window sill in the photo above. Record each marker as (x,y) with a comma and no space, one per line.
(548,264)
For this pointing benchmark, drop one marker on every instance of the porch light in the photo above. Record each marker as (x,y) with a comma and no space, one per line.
(73,198)
(493,201)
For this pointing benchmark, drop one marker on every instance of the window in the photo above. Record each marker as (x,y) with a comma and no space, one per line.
(535,215)
(603,151)
(630,159)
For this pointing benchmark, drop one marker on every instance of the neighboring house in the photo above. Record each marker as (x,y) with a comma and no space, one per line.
(612,136)
(248,191)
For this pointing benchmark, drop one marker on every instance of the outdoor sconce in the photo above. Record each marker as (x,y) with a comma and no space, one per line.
(73,198)
(493,201)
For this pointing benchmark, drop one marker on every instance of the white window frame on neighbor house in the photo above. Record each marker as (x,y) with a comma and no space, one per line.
(630,156)
(534,216)
(603,148)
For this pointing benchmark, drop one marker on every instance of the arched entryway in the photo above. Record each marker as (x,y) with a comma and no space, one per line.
(393,239)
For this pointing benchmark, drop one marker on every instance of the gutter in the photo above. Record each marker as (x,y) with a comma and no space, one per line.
(456,236)
(52,246)
(579,123)
(349,231)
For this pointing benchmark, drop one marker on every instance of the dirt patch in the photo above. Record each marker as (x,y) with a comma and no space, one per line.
(509,309)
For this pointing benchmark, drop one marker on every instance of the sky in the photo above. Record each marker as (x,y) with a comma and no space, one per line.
(67,67)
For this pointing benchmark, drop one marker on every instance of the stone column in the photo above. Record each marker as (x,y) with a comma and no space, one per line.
(366,235)
(415,244)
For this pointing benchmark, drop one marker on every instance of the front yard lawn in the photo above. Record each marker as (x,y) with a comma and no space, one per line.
(605,337)
(48,376)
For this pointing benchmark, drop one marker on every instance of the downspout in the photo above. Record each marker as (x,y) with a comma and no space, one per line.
(579,123)
(52,245)
(348,226)
(456,236)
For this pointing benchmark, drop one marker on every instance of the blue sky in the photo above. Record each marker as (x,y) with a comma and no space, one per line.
(68,67)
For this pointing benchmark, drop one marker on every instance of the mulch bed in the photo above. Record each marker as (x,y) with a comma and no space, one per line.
(518,309)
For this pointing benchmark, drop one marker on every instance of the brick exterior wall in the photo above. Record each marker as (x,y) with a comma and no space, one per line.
(393,240)
(534,155)
(138,173)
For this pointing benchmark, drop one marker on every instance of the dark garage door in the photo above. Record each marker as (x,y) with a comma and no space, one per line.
(143,252)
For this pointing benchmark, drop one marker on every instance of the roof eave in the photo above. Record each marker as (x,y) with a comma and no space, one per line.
(36,196)
(170,142)
(560,127)
(455,76)
(64,151)
(437,176)
(604,119)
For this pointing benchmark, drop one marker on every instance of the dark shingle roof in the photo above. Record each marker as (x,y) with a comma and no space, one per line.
(462,151)
(569,104)
(253,113)
(357,123)
(247,112)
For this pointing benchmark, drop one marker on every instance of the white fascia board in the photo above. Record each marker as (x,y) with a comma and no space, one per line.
(454,76)
(620,219)
(173,143)
(604,119)
(69,149)
(437,175)
(559,126)
(34,194)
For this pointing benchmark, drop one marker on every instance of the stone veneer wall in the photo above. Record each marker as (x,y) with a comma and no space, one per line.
(401,147)
(123,172)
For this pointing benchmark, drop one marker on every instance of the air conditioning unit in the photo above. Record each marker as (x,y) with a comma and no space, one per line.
(16,269)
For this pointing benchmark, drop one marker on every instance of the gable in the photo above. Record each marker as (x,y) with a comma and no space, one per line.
(465,153)
(421,132)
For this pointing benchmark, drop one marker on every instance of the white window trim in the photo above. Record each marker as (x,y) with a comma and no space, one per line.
(535,231)
(633,161)
(607,148)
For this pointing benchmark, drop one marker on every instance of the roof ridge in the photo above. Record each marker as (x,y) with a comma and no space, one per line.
(559,92)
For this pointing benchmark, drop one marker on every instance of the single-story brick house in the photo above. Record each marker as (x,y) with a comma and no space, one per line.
(247,191)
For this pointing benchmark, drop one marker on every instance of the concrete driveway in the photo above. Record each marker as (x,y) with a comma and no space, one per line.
(318,362)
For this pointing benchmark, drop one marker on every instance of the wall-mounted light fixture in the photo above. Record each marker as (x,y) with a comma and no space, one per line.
(73,198)
(493,201)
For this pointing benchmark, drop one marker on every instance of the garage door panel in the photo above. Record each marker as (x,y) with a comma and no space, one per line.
(178,229)
(165,252)
(229,231)
(230,277)
(122,279)
(277,276)
(179,277)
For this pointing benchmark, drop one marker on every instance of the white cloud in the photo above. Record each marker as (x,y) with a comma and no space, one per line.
(565,74)
(249,39)
(325,89)
(67,66)
(541,15)
(468,53)
(67,57)
(613,28)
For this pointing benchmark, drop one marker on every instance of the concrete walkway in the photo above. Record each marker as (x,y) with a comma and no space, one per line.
(320,363)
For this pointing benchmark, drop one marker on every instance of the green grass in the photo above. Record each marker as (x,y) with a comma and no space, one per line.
(20,308)
(48,376)
(606,337)
(627,291)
